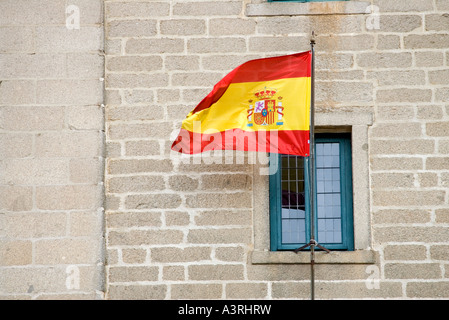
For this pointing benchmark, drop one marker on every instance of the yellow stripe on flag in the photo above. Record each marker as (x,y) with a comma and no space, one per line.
(231,110)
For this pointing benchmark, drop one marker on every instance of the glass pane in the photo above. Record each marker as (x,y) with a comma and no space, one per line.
(293,231)
(293,224)
(328,192)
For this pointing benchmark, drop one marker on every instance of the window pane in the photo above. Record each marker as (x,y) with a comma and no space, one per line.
(328,192)
(293,202)
(293,231)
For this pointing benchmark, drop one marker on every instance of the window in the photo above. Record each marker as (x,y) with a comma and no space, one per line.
(289,197)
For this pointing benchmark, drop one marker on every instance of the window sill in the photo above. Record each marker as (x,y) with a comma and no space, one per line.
(306,8)
(334,257)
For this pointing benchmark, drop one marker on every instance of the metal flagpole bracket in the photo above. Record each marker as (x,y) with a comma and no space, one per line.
(312,242)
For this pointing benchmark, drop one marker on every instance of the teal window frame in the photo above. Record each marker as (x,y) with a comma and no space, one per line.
(347,220)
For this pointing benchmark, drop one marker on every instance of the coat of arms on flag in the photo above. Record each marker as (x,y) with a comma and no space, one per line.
(267,110)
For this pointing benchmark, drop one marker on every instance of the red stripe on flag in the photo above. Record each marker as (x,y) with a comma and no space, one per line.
(274,68)
(294,142)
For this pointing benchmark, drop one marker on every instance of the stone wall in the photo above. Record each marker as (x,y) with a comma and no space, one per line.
(188,230)
(51,150)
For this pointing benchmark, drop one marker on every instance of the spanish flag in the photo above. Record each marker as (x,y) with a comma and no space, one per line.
(262,105)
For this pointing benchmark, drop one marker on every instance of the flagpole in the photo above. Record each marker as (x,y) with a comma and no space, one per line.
(312,243)
(312,171)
